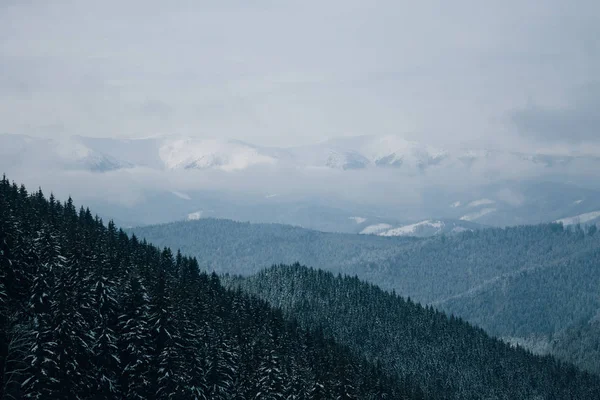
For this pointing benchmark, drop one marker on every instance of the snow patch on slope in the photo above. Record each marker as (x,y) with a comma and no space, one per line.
(579,219)
(375,229)
(408,230)
(194,216)
(181,195)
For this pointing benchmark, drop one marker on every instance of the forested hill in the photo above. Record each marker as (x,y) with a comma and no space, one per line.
(227,246)
(427,269)
(518,283)
(442,353)
(88,313)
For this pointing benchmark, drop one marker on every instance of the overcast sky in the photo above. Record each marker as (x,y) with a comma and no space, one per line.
(504,73)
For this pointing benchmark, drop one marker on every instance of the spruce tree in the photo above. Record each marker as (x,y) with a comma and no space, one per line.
(104,311)
(135,340)
(44,373)
(167,368)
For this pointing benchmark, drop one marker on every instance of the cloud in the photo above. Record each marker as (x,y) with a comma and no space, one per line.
(156,108)
(578,121)
(435,71)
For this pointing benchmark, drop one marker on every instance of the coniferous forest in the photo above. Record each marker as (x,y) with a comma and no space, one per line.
(88,313)
(442,354)
(534,285)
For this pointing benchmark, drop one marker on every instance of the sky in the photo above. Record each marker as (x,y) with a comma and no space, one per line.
(501,74)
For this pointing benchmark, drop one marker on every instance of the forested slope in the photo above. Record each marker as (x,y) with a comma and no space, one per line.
(442,353)
(227,246)
(520,283)
(88,313)
(427,269)
(579,344)
(538,300)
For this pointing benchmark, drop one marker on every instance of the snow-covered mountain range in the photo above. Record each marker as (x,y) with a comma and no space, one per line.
(382,185)
(175,153)
(71,153)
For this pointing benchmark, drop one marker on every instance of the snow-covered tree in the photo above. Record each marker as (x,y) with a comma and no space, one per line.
(135,340)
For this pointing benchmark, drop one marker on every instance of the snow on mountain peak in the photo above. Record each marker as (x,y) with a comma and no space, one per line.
(210,153)
(180,153)
(72,153)
(396,151)
(366,151)
(181,195)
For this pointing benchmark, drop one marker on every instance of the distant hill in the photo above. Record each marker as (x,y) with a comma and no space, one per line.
(517,283)
(382,184)
(442,353)
(579,344)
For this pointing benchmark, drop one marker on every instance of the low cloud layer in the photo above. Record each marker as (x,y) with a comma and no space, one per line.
(576,122)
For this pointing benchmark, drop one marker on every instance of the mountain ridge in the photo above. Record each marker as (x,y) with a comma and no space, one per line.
(398,330)
(516,283)
(380,179)
(368,151)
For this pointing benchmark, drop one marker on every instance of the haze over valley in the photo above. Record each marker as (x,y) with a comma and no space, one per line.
(382,185)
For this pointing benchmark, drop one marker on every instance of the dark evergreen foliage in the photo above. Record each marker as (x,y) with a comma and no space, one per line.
(88,313)
(526,284)
(446,355)
(579,344)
